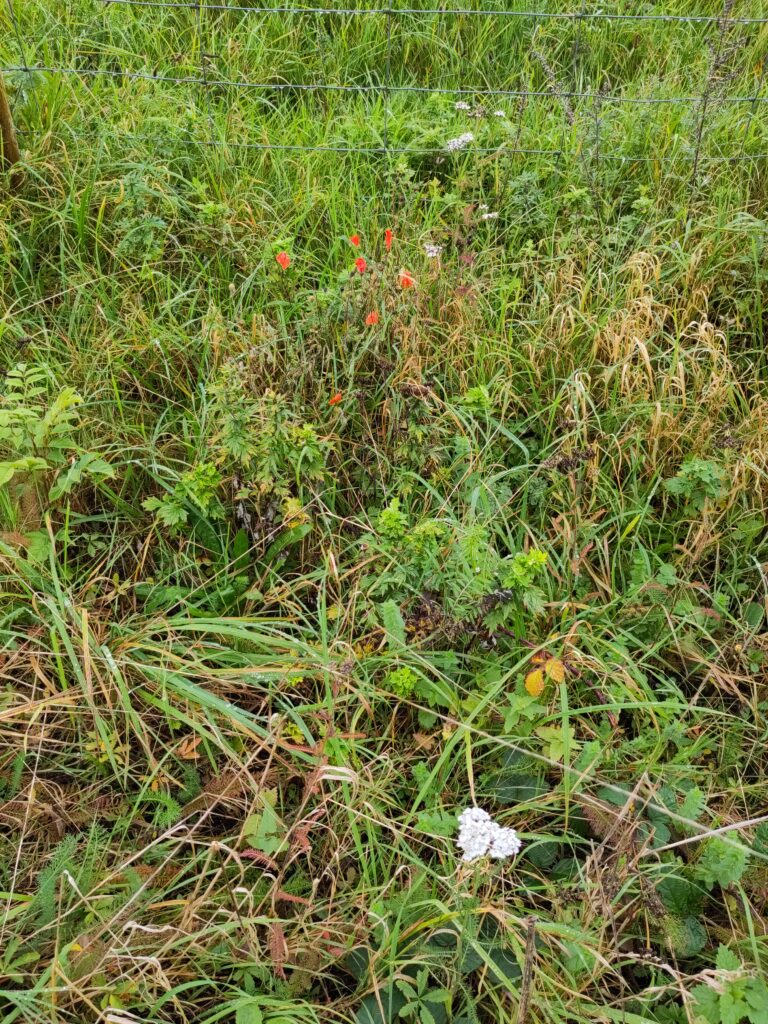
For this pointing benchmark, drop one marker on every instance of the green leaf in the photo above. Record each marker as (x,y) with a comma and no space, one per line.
(687,936)
(437,823)
(706,1003)
(264,830)
(558,738)
(438,995)
(9,469)
(249,1013)
(89,465)
(680,896)
(515,787)
(756,994)
(426,719)
(693,805)
(392,1003)
(39,547)
(726,959)
(392,621)
(754,614)
(721,863)
(732,1006)
(521,706)
(543,854)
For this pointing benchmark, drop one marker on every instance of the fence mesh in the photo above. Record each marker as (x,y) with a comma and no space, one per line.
(592,84)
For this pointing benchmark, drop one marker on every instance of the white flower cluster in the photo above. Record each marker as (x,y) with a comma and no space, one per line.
(461,142)
(489,216)
(499,113)
(461,105)
(480,836)
(432,250)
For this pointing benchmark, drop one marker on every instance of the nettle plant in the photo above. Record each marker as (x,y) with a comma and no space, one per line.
(41,461)
(258,442)
(697,483)
(458,565)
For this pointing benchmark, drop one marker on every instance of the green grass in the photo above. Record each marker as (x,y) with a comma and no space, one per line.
(271,581)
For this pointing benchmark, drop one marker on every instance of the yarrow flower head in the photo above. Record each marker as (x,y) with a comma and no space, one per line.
(461,105)
(499,113)
(489,216)
(432,250)
(461,142)
(480,836)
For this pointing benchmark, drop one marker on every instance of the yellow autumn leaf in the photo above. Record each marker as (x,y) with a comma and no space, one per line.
(555,669)
(534,682)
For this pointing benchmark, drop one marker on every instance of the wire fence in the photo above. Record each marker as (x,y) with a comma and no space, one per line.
(723,120)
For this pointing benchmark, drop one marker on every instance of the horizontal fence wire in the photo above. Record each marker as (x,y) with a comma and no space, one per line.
(619,158)
(589,147)
(443,12)
(208,82)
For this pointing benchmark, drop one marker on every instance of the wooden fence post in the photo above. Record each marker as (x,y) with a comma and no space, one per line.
(9,151)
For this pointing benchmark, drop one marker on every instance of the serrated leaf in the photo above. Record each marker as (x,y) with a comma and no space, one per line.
(264,830)
(726,959)
(88,465)
(706,1003)
(534,682)
(680,896)
(437,823)
(555,669)
(369,1011)
(693,805)
(687,936)
(426,719)
(392,621)
(39,546)
(543,855)
(756,994)
(732,1006)
(249,1013)
(29,465)
(721,863)
(558,738)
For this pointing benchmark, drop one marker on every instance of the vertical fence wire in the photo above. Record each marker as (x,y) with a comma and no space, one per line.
(23,58)
(719,54)
(753,103)
(390,176)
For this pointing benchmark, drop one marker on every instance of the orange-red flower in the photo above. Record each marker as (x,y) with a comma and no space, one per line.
(372,318)
(355,240)
(388,239)
(406,279)
(335,399)
(283,259)
(361,265)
